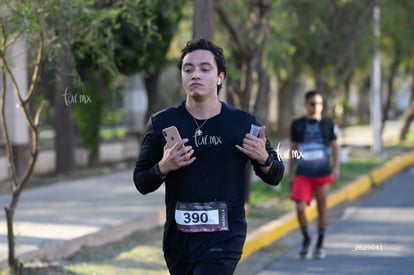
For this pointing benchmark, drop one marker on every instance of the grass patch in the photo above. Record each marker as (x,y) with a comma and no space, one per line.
(106,134)
(394,140)
(112,133)
(355,168)
(139,253)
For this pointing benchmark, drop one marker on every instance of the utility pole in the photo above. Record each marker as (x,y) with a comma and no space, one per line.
(376,103)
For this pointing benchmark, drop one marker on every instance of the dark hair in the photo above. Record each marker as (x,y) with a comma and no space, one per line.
(204,44)
(311,94)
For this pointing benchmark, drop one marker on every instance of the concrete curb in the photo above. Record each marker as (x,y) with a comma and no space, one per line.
(278,228)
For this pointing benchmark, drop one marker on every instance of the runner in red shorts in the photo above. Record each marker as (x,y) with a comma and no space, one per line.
(312,174)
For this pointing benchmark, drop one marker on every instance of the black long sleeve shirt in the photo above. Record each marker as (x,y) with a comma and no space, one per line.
(218,174)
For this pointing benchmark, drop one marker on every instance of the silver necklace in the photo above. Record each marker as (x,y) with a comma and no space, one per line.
(198,132)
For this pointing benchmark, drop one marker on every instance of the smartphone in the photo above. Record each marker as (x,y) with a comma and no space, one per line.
(171,135)
(255,130)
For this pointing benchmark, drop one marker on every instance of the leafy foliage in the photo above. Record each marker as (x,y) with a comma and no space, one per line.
(134,53)
(327,36)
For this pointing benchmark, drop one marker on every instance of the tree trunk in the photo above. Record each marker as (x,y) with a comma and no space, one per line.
(246,85)
(203,19)
(64,125)
(261,109)
(151,84)
(363,108)
(15,266)
(284,108)
(261,105)
(408,116)
(345,114)
(390,88)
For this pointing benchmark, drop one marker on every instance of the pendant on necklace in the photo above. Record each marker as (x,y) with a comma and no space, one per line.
(198,132)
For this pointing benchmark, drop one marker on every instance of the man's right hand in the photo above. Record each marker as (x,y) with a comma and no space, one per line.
(176,157)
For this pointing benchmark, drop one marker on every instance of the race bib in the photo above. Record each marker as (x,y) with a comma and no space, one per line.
(313,155)
(194,217)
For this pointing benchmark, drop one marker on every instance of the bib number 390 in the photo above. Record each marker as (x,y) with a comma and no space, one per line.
(195,217)
(201,217)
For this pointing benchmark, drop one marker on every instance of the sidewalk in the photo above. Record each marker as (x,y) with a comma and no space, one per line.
(56,220)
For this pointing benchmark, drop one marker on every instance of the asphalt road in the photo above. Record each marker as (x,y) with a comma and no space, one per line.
(374,235)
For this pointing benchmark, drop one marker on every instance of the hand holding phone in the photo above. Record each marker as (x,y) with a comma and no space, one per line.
(171,135)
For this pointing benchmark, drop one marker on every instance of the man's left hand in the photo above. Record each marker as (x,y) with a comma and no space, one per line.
(255,147)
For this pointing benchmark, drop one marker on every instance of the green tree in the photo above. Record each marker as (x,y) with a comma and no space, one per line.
(141,35)
(126,30)
(321,40)
(24,23)
(246,23)
(328,35)
(398,53)
(281,62)
(56,27)
(168,15)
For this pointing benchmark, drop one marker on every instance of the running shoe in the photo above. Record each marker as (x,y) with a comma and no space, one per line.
(305,247)
(319,253)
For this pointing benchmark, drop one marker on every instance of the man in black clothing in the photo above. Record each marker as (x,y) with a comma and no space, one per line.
(205,226)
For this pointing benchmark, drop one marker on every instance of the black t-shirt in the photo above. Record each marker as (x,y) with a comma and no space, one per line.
(313,138)
(217,174)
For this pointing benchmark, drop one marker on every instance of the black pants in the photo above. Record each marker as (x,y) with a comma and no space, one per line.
(218,267)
